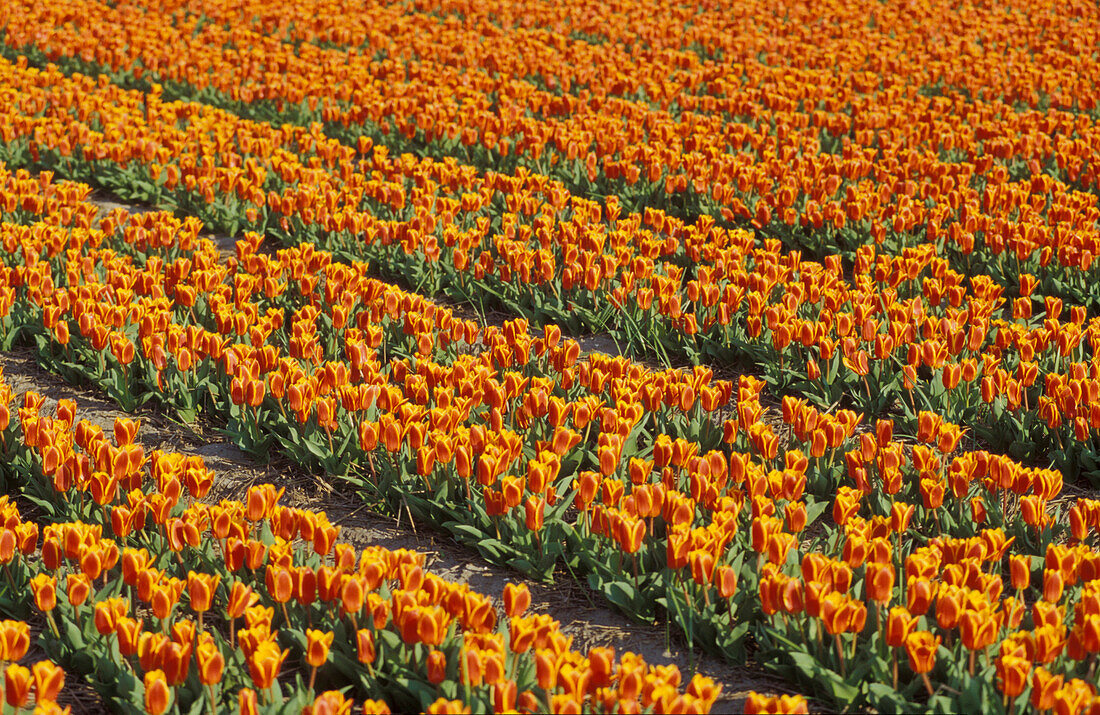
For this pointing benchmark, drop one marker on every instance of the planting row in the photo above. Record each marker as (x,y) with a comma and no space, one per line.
(889,340)
(164,601)
(631,478)
(904,151)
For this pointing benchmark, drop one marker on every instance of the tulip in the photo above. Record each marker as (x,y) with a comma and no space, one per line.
(921,647)
(726,578)
(14,640)
(517,599)
(201,588)
(880,582)
(1073,696)
(437,667)
(157,693)
(108,612)
(1050,640)
(365,646)
(265,663)
(17,685)
(534,509)
(920,592)
(442,706)
(1012,672)
(211,663)
(760,704)
(44,587)
(48,680)
(1043,687)
(899,624)
(1053,586)
(247,703)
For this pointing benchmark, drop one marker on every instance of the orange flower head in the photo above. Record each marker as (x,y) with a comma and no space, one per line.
(318,644)
(265,663)
(437,667)
(517,599)
(365,645)
(1044,685)
(1012,673)
(201,588)
(49,679)
(15,639)
(17,685)
(211,662)
(158,695)
(44,587)
(921,648)
(899,625)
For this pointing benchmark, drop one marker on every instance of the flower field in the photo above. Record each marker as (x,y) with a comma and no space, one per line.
(846,252)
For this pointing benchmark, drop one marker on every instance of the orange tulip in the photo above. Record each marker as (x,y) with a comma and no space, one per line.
(757,704)
(157,693)
(517,599)
(247,703)
(899,624)
(1053,585)
(17,685)
(48,680)
(241,597)
(365,645)
(211,662)
(107,614)
(1043,687)
(442,706)
(920,592)
(880,582)
(921,647)
(1012,672)
(14,640)
(201,589)
(318,644)
(265,663)
(437,667)
(726,578)
(1050,640)
(44,587)
(534,508)
(128,631)
(978,629)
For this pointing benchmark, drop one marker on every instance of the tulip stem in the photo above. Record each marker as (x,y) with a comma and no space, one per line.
(839,652)
(213,699)
(312,678)
(927,684)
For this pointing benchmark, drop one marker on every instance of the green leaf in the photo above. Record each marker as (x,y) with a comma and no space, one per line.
(838,688)
(464,531)
(886,699)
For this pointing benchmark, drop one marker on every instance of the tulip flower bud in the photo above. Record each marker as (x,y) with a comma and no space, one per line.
(157,693)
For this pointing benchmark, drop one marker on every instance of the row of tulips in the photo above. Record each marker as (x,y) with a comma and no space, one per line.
(891,342)
(536,456)
(819,163)
(166,601)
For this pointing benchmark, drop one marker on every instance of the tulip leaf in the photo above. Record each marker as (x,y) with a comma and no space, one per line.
(73,634)
(886,699)
(840,689)
(464,531)
(814,509)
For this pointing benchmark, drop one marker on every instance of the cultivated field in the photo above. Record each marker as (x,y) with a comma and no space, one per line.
(549,356)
